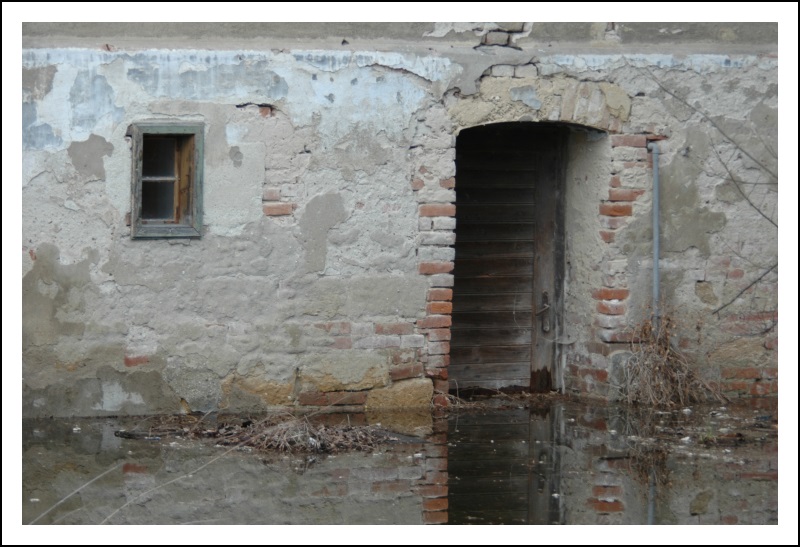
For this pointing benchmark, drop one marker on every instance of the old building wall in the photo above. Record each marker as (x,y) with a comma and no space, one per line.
(324,273)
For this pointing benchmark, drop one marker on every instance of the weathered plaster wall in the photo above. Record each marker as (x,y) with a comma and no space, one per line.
(324,270)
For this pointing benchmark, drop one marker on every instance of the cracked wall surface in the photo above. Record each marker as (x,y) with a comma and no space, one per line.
(324,271)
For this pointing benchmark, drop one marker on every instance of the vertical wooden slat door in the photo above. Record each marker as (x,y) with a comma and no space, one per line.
(504,234)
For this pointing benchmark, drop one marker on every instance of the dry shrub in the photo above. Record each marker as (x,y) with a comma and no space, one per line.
(280,431)
(658,374)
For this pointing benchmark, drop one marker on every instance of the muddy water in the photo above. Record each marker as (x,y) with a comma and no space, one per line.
(512,462)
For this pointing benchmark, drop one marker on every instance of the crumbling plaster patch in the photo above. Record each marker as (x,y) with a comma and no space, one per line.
(87,157)
(321,214)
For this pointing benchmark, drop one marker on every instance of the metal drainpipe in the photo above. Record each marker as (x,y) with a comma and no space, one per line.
(656,233)
(652,146)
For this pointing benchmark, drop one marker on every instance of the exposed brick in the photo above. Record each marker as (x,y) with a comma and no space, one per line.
(435,464)
(432,490)
(611,308)
(636,141)
(757,316)
(443,223)
(612,223)
(435,517)
(602,506)
(437,238)
(437,210)
(764,387)
(768,476)
(403,356)
(438,348)
(438,361)
(736,274)
(390,487)
(435,322)
(436,373)
(598,374)
(394,328)
(429,268)
(278,209)
(606,492)
(442,280)
(438,335)
(440,400)
(615,182)
(434,504)
(342,342)
(624,194)
(265,111)
(769,373)
(135,361)
(748,373)
(610,294)
(616,209)
(442,386)
(439,308)
(409,371)
(730,519)
(417,184)
(440,294)
(448,183)
(436,477)
(271,194)
(134,468)
(771,343)
(312,398)
(607,236)
(436,451)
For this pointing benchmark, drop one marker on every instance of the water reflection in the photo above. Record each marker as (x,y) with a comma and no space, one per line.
(520,463)
(180,481)
(570,463)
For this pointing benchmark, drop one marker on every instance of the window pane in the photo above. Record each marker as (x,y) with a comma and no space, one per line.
(159,156)
(158,200)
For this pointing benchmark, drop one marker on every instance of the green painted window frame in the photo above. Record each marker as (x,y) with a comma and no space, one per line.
(186,179)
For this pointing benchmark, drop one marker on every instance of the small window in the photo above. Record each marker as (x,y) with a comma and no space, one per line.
(167,179)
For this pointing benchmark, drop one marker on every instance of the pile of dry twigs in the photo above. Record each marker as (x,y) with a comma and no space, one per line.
(278,431)
(658,374)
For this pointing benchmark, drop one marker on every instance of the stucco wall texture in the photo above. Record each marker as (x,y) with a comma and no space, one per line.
(324,273)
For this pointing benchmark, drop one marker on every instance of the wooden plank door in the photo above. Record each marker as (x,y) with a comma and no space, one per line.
(508,178)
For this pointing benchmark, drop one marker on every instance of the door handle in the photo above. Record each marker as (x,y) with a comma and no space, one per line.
(543,310)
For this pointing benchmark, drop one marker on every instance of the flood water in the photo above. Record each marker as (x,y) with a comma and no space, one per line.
(511,462)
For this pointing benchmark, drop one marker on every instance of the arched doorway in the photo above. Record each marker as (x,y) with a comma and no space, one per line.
(509,252)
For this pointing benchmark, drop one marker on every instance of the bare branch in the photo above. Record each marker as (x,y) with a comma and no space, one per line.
(740,293)
(711,121)
(736,184)
(771,151)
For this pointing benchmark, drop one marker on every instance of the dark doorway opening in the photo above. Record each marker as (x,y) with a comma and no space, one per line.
(509,248)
